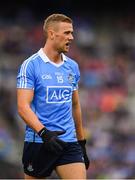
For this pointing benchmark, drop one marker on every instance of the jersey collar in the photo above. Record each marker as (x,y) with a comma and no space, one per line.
(46,59)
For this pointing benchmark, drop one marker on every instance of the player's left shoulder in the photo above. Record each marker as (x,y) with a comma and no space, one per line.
(70,61)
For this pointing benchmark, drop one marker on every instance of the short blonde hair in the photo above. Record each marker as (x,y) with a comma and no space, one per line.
(55,18)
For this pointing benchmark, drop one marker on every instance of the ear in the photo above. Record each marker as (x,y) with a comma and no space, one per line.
(51,34)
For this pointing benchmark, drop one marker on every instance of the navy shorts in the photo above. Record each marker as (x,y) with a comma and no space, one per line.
(38,162)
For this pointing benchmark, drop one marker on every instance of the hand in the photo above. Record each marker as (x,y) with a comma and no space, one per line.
(51,141)
(86,159)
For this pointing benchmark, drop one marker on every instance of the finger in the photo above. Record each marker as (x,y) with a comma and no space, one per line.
(87,165)
(59,132)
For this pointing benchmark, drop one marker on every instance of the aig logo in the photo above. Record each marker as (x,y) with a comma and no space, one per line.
(58,94)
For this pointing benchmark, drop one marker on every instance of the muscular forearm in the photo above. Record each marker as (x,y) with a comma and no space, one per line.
(30,118)
(78,121)
(80,133)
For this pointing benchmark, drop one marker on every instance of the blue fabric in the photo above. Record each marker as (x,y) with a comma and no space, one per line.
(53,85)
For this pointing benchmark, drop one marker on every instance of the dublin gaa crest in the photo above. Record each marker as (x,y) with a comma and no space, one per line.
(70,78)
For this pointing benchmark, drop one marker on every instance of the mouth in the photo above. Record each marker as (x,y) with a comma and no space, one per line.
(68,44)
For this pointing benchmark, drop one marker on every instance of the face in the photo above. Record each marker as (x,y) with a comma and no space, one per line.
(62,36)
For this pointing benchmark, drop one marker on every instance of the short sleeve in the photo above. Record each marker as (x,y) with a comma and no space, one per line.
(25,75)
(77,77)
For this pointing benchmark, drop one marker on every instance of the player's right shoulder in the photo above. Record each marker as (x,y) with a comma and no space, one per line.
(29,64)
(31,59)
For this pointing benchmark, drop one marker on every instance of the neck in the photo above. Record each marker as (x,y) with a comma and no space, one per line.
(53,55)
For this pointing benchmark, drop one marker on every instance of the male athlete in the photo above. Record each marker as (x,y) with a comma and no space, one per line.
(48,102)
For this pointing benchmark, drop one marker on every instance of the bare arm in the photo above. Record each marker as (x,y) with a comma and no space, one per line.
(24,98)
(77,115)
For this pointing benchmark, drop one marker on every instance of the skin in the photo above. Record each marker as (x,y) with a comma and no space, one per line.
(59,38)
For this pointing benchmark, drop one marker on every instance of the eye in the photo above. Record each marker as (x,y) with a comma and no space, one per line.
(67,32)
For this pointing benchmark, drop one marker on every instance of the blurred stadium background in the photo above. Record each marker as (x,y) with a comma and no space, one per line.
(104,47)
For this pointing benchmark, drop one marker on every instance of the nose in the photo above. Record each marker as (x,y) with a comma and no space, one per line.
(71,37)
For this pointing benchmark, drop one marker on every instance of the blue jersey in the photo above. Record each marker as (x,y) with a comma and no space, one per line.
(53,85)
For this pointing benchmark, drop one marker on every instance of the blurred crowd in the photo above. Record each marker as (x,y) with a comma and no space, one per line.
(104,48)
